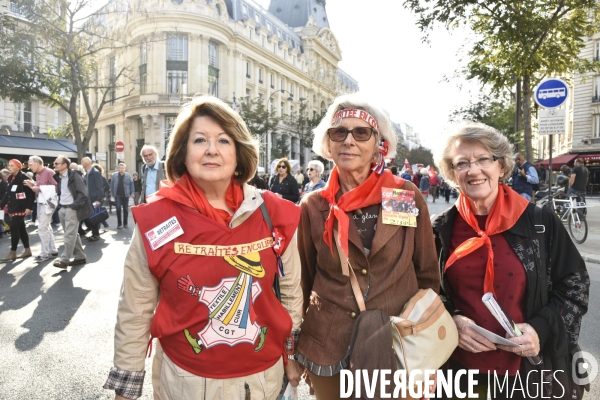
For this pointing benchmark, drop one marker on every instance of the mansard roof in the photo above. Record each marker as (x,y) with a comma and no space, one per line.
(243,9)
(296,13)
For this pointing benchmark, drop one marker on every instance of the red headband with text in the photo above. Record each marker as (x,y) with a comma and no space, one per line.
(365,116)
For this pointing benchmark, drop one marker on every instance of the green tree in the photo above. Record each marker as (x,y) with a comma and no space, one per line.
(302,124)
(280,146)
(517,41)
(495,111)
(259,121)
(420,155)
(50,52)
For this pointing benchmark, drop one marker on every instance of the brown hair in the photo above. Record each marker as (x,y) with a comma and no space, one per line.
(288,166)
(246,148)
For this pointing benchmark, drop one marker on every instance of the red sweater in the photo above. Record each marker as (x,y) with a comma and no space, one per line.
(465,280)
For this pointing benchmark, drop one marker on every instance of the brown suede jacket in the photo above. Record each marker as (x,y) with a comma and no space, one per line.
(401,261)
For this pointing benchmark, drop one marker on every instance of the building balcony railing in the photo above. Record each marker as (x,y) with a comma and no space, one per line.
(595,140)
(596,99)
(19,129)
(154,100)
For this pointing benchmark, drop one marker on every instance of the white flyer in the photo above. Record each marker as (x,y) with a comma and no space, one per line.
(492,337)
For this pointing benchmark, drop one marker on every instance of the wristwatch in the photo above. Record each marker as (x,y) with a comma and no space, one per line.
(292,357)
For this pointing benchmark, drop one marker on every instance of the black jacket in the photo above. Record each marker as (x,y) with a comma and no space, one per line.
(16,205)
(95,185)
(557,322)
(288,188)
(81,200)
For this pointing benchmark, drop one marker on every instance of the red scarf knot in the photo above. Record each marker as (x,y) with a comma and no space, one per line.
(364,195)
(507,209)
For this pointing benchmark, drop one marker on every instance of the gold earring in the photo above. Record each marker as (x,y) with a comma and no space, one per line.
(236,173)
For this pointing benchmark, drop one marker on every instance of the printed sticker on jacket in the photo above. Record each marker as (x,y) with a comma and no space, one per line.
(164,233)
(20,196)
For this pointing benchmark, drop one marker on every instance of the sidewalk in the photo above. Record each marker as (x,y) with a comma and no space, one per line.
(590,249)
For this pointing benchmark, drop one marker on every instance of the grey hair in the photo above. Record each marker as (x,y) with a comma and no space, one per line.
(37,159)
(149,146)
(5,172)
(353,101)
(474,132)
(318,166)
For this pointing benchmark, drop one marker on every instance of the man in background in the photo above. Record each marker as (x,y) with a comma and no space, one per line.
(524,177)
(579,179)
(95,187)
(121,188)
(46,204)
(152,172)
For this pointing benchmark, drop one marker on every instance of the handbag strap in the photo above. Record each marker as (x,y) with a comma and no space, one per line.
(348,271)
(265,213)
(540,228)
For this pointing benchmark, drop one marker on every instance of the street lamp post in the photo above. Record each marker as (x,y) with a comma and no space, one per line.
(267,141)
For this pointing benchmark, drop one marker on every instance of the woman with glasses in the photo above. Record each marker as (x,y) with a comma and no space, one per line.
(20,200)
(314,170)
(488,243)
(283,184)
(210,247)
(391,262)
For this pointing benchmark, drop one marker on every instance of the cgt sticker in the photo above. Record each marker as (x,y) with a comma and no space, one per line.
(164,233)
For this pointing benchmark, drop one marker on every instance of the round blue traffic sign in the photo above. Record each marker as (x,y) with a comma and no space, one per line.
(551,93)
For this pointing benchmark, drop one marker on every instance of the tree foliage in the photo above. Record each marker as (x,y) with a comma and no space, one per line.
(495,111)
(49,51)
(302,124)
(517,41)
(417,155)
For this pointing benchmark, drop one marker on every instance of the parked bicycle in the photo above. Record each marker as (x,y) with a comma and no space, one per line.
(571,210)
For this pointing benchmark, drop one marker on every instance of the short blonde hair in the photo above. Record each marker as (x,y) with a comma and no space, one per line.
(246,148)
(357,102)
(474,132)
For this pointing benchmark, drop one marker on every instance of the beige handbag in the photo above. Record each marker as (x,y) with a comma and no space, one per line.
(424,334)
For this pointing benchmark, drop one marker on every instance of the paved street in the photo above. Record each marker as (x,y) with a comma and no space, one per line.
(56,326)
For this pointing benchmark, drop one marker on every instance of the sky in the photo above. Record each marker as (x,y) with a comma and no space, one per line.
(382,49)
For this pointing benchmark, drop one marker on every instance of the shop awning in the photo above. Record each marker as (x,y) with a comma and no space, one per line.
(28,146)
(590,157)
(558,161)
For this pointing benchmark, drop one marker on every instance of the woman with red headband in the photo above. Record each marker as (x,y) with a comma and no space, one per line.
(488,243)
(19,198)
(391,262)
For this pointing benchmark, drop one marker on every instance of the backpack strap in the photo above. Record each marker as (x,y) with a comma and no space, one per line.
(540,228)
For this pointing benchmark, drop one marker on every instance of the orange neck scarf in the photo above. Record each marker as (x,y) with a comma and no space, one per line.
(186,192)
(364,195)
(505,212)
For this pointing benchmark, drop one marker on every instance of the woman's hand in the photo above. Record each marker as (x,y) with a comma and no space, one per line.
(294,371)
(468,339)
(529,342)
(27,212)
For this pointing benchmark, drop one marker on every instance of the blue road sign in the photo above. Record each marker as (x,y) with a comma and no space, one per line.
(551,93)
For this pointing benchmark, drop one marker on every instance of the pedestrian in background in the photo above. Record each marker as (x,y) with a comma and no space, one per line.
(4,174)
(299,178)
(416,178)
(315,169)
(75,206)
(137,188)
(434,184)
(283,183)
(578,179)
(524,177)
(407,175)
(46,204)
(95,188)
(424,185)
(106,187)
(33,216)
(211,155)
(121,189)
(19,198)
(153,171)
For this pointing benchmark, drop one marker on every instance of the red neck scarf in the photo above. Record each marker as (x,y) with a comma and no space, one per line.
(186,192)
(505,212)
(364,195)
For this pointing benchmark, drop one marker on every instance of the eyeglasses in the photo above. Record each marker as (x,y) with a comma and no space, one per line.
(310,169)
(360,133)
(281,166)
(483,162)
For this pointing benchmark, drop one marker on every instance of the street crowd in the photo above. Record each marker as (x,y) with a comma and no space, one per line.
(72,196)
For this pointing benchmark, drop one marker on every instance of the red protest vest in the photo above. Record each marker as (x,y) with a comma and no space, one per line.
(218,316)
